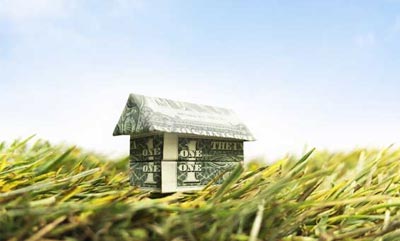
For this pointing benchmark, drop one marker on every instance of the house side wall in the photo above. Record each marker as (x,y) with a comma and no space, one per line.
(191,163)
(201,160)
(145,161)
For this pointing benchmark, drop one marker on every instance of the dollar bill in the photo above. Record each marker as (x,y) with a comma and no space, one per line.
(198,174)
(146,174)
(148,148)
(214,150)
(144,114)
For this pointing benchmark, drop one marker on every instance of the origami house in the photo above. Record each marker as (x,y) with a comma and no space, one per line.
(179,146)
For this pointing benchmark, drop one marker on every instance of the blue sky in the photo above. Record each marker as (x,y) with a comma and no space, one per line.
(299,73)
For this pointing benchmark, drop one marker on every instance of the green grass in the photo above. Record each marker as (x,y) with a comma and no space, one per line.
(63,193)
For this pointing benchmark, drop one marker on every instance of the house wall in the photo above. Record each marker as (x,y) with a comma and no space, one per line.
(196,161)
(171,162)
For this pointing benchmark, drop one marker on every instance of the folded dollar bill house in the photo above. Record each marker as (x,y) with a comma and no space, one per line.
(179,146)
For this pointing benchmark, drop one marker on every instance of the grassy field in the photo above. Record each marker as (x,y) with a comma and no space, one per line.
(63,193)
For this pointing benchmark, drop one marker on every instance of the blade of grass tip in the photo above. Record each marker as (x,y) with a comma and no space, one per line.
(13,148)
(228,182)
(53,163)
(21,168)
(301,161)
(244,188)
(51,184)
(212,182)
(310,189)
(255,229)
(2,145)
(386,220)
(387,187)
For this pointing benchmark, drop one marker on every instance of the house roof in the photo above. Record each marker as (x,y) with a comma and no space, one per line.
(144,114)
